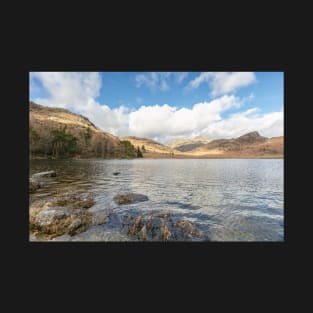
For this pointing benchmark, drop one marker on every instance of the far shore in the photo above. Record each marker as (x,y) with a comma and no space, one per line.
(150,156)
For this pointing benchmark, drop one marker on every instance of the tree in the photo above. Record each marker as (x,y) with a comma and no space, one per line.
(33,140)
(139,153)
(128,148)
(63,144)
(143,149)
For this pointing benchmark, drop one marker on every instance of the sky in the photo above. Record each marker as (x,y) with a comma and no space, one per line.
(168,105)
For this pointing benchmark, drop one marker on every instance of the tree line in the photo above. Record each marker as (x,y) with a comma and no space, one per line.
(59,143)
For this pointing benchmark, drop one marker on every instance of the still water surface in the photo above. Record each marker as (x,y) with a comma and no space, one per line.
(229,199)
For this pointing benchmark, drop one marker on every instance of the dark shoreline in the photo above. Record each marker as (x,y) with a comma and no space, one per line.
(166,158)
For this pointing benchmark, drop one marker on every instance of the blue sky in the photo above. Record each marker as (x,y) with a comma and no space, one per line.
(268,91)
(168,105)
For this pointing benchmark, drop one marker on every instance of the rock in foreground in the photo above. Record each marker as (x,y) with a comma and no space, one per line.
(64,214)
(159,227)
(129,198)
(66,218)
(57,221)
(45,174)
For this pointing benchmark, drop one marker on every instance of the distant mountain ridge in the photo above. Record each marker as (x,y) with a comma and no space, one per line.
(184,145)
(250,144)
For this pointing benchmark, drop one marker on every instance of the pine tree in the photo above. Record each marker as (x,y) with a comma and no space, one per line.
(139,153)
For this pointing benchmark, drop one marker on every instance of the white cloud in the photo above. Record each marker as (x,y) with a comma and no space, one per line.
(78,92)
(165,120)
(154,80)
(222,82)
(68,89)
(268,125)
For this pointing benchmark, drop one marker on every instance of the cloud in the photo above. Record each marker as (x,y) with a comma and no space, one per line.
(164,120)
(78,92)
(222,82)
(180,76)
(68,89)
(268,125)
(154,81)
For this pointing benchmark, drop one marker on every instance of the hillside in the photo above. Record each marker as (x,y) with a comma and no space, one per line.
(152,148)
(56,132)
(184,145)
(248,145)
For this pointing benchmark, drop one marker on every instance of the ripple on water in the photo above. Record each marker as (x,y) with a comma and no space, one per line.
(231,199)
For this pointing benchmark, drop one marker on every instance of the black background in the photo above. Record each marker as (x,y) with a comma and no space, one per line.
(244,275)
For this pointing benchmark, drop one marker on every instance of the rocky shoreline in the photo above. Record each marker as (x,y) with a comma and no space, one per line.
(67,217)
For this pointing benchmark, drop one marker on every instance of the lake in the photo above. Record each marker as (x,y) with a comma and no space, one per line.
(229,199)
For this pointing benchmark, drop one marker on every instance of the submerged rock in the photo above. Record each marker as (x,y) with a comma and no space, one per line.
(95,233)
(100,217)
(186,230)
(129,198)
(116,173)
(74,200)
(45,174)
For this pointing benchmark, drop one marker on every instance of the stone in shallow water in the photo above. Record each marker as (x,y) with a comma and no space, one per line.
(74,200)
(95,233)
(56,221)
(45,174)
(100,217)
(185,230)
(158,227)
(129,198)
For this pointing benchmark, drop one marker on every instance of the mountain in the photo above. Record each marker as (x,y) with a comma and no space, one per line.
(57,132)
(184,145)
(248,145)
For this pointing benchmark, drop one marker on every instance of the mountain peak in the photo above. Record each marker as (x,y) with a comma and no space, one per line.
(254,134)
(251,137)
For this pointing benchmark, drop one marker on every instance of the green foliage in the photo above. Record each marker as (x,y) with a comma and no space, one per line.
(63,144)
(139,153)
(130,150)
